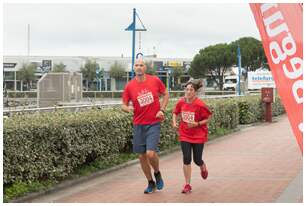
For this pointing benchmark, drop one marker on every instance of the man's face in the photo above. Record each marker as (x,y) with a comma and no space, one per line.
(140,68)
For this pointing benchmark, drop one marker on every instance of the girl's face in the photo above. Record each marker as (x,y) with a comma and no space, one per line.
(190,92)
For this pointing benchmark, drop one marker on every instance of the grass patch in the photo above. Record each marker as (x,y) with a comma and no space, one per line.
(19,189)
(221,132)
(100,165)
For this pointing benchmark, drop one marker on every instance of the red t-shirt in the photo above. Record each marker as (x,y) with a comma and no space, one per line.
(195,111)
(145,98)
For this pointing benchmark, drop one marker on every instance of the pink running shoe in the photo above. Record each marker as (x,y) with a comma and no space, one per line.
(204,173)
(187,188)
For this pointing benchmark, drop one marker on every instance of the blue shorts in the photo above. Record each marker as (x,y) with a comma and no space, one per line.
(146,137)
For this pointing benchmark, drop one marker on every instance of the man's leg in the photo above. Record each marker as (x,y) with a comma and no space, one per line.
(145,166)
(139,147)
(152,140)
(153,134)
(153,160)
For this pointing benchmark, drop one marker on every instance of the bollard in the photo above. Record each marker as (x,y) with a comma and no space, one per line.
(267,98)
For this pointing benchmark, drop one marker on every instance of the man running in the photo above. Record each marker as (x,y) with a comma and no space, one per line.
(144,92)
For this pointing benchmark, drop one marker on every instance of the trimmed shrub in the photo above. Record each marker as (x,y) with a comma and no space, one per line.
(251,109)
(50,146)
(25,94)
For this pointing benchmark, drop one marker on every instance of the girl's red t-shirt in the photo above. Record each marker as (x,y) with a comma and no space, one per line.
(194,111)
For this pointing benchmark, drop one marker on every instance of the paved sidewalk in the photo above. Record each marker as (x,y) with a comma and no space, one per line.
(256,164)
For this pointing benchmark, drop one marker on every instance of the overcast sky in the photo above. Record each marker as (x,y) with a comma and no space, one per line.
(175,30)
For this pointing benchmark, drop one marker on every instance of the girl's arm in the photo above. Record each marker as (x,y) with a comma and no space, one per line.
(174,120)
(204,121)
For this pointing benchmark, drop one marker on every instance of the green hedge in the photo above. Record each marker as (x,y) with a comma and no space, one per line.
(277,107)
(118,94)
(52,145)
(25,94)
(49,146)
(251,109)
(103,94)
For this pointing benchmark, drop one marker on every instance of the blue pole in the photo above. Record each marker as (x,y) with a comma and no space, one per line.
(239,69)
(168,79)
(133,43)
(97,76)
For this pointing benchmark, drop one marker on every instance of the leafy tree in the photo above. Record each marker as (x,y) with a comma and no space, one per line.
(27,74)
(89,71)
(252,53)
(59,67)
(214,61)
(117,71)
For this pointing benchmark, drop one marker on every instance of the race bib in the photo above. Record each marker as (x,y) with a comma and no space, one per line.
(145,99)
(188,116)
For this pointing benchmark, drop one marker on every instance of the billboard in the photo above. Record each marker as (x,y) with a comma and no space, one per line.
(9,65)
(174,64)
(258,80)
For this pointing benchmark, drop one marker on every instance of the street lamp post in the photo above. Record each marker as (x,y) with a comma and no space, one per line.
(239,68)
(132,27)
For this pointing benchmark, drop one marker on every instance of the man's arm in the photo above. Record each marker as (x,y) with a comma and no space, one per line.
(160,114)
(164,101)
(126,108)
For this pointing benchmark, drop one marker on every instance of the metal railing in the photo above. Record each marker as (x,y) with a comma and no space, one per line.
(75,108)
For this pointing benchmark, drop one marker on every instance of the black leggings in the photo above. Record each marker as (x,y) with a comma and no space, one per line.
(197,153)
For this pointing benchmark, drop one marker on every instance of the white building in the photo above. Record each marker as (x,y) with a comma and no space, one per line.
(11,64)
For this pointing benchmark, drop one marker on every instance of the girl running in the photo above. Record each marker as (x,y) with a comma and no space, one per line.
(193,131)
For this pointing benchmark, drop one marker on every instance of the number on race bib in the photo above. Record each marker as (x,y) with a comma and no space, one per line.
(188,116)
(145,99)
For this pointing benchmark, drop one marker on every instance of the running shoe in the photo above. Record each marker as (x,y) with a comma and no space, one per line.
(187,188)
(159,181)
(204,173)
(151,187)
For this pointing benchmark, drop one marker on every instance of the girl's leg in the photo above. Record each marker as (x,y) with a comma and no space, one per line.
(187,173)
(197,156)
(186,149)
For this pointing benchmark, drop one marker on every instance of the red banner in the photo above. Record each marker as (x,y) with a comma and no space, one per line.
(281,31)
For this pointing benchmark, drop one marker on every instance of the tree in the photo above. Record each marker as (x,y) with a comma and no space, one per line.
(150,68)
(59,67)
(252,53)
(89,71)
(117,71)
(27,74)
(214,61)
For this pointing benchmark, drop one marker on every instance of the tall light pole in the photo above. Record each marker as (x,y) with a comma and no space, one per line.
(239,68)
(132,27)
(28,40)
